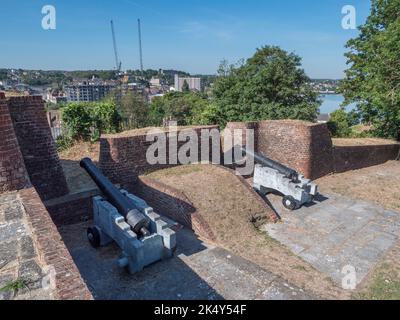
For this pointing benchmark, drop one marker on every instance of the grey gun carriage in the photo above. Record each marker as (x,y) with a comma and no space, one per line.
(143,236)
(271,177)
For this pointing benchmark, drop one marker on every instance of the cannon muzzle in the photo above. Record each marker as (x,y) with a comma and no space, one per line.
(124,205)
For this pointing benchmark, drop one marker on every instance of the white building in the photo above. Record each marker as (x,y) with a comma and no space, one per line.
(155,82)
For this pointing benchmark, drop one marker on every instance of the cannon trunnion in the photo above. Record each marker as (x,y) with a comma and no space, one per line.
(143,236)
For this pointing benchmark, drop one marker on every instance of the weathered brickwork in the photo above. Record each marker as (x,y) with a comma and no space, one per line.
(296,144)
(321,151)
(52,250)
(71,211)
(37,146)
(13,174)
(357,157)
(238,133)
(123,156)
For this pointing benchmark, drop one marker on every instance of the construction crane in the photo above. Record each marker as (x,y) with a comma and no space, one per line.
(140,46)
(117,62)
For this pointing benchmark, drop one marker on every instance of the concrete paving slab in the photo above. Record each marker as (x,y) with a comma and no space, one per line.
(337,232)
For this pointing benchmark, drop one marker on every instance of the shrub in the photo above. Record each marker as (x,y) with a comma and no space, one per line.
(64,142)
(84,121)
(339,124)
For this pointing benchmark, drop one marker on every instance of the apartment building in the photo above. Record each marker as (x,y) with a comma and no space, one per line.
(89,90)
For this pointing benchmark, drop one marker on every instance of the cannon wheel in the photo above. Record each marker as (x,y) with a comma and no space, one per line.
(289,203)
(93,236)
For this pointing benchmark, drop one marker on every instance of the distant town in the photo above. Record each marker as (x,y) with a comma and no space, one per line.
(57,87)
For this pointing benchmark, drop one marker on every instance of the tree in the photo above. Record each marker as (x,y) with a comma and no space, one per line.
(185,87)
(132,107)
(339,124)
(373,78)
(186,108)
(134,110)
(88,120)
(270,85)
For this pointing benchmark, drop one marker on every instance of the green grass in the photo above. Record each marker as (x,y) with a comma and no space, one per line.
(15,286)
(385,285)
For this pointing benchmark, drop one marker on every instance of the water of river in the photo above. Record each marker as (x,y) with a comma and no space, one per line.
(332,102)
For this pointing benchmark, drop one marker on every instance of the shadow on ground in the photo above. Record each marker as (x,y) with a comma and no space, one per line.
(171,279)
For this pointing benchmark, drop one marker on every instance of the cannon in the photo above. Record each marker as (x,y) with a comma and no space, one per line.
(271,176)
(143,236)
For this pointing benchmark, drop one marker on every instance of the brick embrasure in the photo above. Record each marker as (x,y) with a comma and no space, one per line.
(52,250)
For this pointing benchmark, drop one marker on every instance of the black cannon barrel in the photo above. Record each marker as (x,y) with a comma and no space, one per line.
(124,205)
(261,159)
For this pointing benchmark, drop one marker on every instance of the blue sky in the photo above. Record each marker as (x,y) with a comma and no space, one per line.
(190,35)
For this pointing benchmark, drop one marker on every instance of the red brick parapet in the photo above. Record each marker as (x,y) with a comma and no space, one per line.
(347,158)
(37,146)
(52,250)
(303,146)
(13,174)
(123,156)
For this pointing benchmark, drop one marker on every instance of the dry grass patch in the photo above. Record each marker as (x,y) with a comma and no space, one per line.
(378,184)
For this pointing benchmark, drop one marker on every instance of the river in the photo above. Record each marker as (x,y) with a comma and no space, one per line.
(332,102)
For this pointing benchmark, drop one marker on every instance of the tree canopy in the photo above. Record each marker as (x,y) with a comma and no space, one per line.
(269,85)
(187,108)
(373,77)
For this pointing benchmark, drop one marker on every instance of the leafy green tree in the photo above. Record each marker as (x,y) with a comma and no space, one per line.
(89,120)
(339,124)
(269,85)
(76,120)
(134,110)
(184,107)
(373,77)
(353,118)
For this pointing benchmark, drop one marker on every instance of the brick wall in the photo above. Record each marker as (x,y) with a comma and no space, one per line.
(321,151)
(241,135)
(296,144)
(37,146)
(304,146)
(347,158)
(13,174)
(123,156)
(308,148)
(300,145)
(52,250)
(71,209)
